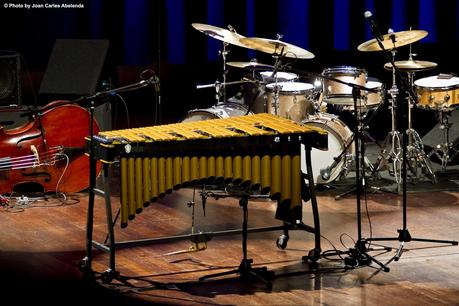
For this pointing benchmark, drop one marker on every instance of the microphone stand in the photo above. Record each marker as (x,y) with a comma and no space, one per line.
(404,235)
(362,125)
(357,256)
(86,263)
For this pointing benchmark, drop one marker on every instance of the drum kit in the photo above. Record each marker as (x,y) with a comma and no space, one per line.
(276,89)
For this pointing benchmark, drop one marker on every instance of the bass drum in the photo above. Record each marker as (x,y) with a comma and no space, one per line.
(339,135)
(220,111)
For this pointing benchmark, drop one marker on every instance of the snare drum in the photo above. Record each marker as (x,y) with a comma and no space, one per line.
(295,100)
(339,135)
(338,93)
(224,110)
(435,92)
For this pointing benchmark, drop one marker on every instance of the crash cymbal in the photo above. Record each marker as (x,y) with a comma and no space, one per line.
(220,34)
(411,65)
(400,38)
(278,47)
(252,65)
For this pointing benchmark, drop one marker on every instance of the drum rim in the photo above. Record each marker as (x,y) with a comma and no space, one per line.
(290,92)
(342,69)
(440,88)
(322,119)
(295,76)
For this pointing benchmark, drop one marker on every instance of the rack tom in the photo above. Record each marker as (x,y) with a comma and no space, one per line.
(295,100)
(338,93)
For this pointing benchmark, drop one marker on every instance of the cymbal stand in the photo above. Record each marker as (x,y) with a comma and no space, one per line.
(277,87)
(391,148)
(443,151)
(220,88)
(416,154)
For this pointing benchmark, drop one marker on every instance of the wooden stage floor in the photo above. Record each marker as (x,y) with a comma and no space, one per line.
(41,246)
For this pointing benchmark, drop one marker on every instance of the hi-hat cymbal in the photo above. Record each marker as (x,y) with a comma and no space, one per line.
(276,47)
(220,34)
(393,40)
(411,65)
(252,65)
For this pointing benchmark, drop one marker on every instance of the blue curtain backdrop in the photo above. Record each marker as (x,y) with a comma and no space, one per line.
(321,26)
(158,33)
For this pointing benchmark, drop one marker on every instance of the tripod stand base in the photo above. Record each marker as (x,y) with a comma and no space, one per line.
(404,237)
(247,272)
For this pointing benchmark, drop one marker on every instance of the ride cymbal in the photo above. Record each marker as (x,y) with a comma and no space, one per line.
(252,65)
(276,47)
(393,40)
(220,34)
(411,65)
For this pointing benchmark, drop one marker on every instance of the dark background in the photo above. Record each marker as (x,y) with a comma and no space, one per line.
(158,35)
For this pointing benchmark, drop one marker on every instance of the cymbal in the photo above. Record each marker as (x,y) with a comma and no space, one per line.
(401,39)
(411,65)
(252,65)
(278,47)
(220,34)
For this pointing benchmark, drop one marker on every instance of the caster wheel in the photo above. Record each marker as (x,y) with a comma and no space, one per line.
(282,241)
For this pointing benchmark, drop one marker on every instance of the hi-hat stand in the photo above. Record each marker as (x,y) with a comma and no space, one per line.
(391,148)
(404,235)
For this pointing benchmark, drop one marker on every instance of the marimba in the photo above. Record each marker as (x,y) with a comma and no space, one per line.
(260,153)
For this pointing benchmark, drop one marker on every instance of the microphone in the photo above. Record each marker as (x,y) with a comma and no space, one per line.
(374,27)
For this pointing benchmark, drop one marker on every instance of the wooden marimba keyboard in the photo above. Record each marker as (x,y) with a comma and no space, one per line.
(261,152)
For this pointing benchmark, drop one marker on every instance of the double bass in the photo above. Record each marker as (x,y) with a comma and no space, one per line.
(49,150)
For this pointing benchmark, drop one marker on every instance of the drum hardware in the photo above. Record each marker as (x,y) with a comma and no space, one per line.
(220,89)
(445,151)
(227,37)
(392,145)
(391,148)
(390,43)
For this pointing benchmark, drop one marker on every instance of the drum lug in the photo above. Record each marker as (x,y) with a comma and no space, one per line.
(447,98)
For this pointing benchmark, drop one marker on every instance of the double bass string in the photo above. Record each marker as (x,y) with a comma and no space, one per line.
(32,160)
